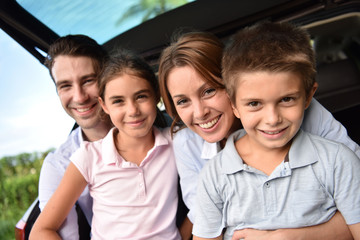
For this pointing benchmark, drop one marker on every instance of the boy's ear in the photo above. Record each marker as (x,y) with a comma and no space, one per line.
(236,112)
(311,94)
(102,104)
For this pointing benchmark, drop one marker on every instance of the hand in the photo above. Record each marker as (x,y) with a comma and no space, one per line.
(253,234)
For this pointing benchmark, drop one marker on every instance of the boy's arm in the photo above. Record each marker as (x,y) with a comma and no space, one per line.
(334,229)
(355,230)
(59,205)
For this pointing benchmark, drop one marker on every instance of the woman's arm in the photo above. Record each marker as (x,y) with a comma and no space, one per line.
(199,238)
(319,121)
(334,229)
(186,229)
(59,205)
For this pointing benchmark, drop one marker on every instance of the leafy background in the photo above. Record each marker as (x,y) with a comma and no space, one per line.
(19,177)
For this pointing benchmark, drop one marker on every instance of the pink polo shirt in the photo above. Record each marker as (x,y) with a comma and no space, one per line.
(130,201)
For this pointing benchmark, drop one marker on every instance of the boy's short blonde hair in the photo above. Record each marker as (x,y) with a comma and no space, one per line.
(267,46)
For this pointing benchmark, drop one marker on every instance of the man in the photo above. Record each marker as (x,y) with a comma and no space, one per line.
(74,63)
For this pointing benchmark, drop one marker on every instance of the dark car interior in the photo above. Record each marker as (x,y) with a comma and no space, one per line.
(334,26)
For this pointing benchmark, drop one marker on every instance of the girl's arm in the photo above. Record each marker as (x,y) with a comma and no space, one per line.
(334,229)
(186,229)
(355,230)
(59,205)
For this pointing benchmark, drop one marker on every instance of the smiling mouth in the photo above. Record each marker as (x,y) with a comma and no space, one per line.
(82,110)
(209,124)
(273,132)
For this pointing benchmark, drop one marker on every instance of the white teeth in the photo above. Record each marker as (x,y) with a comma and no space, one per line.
(272,133)
(209,124)
(82,109)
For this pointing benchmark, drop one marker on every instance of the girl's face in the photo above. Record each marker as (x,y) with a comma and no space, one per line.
(205,110)
(130,103)
(271,107)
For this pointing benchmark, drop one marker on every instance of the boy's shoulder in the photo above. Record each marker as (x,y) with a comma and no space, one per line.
(308,148)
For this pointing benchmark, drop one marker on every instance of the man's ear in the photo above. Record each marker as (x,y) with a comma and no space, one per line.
(311,94)
(102,104)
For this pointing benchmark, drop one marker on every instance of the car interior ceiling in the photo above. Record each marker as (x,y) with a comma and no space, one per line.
(337,47)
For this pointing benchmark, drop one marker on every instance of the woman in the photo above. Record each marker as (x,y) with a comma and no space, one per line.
(194,95)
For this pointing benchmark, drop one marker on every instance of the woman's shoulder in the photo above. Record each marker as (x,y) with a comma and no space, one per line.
(186,134)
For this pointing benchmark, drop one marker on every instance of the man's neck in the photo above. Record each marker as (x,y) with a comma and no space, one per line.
(96,133)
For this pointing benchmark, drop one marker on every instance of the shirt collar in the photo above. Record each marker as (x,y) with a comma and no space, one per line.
(110,153)
(209,150)
(302,153)
(231,161)
(302,146)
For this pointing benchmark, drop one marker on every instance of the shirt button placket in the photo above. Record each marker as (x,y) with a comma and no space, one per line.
(141,185)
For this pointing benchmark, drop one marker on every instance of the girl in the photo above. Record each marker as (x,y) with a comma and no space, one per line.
(131,173)
(194,95)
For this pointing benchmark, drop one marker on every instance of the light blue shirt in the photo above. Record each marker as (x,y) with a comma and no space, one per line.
(192,152)
(319,178)
(52,171)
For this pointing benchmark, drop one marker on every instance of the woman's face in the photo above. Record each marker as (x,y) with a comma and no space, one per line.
(204,109)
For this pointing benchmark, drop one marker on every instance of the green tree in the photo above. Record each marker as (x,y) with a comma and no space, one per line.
(150,9)
(19,177)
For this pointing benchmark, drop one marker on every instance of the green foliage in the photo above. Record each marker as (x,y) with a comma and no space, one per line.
(150,9)
(19,177)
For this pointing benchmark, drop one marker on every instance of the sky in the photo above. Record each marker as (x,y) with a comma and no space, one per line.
(32,118)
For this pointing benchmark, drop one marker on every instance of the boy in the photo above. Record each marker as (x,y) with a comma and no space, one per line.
(272,175)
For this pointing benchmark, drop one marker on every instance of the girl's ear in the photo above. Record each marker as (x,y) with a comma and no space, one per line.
(102,103)
(311,94)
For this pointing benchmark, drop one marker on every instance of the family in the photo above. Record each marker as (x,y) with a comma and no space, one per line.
(257,156)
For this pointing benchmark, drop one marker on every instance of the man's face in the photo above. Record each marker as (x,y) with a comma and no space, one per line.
(76,84)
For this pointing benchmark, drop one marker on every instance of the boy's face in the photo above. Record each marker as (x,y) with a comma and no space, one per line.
(271,107)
